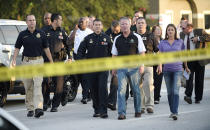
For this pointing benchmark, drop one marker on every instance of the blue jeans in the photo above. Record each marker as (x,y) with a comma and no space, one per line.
(173,82)
(134,77)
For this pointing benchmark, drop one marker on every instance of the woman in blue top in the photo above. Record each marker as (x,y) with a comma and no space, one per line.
(172,71)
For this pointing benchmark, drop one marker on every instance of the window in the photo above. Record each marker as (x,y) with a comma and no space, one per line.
(207,21)
(185,16)
(10,33)
(22,27)
(1,38)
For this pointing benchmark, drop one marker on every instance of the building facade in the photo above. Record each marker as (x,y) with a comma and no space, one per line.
(164,12)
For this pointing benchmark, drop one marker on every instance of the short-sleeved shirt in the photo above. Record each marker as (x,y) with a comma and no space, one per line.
(177,45)
(79,36)
(33,43)
(130,45)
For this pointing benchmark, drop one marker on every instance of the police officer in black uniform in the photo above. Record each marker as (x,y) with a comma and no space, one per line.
(57,38)
(97,45)
(34,42)
(46,80)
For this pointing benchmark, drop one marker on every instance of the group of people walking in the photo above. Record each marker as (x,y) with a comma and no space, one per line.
(124,37)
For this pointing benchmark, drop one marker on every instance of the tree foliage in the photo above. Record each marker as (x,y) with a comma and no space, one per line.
(71,10)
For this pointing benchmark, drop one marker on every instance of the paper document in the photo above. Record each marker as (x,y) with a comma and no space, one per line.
(186,75)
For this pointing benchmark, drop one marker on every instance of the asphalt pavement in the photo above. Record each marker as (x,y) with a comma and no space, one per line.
(78,116)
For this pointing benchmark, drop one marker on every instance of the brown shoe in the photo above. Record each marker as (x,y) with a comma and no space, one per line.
(121,117)
(137,114)
(150,110)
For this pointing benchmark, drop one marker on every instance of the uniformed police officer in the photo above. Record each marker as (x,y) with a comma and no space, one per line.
(57,38)
(128,43)
(97,45)
(146,82)
(46,80)
(33,41)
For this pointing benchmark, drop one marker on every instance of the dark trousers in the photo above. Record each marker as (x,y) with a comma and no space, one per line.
(99,94)
(83,81)
(57,93)
(46,91)
(112,98)
(199,71)
(157,83)
(85,86)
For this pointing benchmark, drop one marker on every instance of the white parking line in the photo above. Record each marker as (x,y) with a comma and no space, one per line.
(162,115)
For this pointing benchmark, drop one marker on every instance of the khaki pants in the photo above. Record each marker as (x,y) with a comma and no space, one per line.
(147,88)
(33,88)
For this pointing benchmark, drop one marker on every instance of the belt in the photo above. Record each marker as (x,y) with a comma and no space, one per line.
(32,58)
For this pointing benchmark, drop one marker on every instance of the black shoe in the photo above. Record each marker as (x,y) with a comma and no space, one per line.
(174,116)
(197,101)
(89,99)
(84,100)
(64,99)
(150,110)
(188,99)
(30,113)
(104,115)
(64,102)
(156,102)
(111,106)
(137,114)
(121,117)
(45,107)
(96,115)
(38,113)
(54,109)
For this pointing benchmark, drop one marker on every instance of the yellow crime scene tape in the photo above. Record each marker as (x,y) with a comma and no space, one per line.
(101,64)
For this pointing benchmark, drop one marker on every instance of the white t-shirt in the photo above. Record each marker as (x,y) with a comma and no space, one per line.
(79,36)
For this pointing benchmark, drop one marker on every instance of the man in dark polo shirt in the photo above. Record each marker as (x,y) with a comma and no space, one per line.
(33,41)
(128,43)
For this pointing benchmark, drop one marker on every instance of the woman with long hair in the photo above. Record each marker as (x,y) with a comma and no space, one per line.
(172,71)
